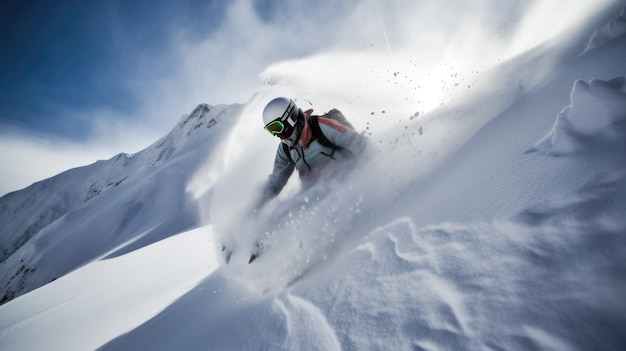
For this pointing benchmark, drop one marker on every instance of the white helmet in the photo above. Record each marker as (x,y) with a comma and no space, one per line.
(280,117)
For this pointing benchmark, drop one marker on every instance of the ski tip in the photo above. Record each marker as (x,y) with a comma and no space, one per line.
(227,258)
(227,254)
(252,258)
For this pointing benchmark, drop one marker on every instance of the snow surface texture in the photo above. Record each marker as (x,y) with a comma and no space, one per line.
(597,114)
(501,231)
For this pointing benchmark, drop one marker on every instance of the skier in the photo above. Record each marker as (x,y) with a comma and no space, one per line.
(317,146)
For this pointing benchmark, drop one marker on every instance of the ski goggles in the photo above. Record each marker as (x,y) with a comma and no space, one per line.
(275,127)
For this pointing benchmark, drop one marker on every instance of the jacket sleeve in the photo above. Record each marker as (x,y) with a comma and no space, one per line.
(283,168)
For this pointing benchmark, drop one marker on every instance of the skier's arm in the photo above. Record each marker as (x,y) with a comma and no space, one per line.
(283,168)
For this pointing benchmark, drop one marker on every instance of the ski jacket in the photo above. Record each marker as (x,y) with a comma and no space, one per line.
(311,158)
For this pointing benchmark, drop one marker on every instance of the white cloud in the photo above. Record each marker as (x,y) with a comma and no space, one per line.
(27,159)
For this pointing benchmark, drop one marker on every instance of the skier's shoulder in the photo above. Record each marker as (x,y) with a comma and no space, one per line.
(332,119)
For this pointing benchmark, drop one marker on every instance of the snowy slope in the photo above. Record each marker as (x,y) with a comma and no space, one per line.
(129,280)
(505,236)
(61,223)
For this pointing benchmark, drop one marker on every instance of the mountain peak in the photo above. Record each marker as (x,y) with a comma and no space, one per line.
(197,114)
(117,186)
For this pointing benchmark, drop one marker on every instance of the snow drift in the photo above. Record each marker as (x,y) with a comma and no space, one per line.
(597,113)
(492,223)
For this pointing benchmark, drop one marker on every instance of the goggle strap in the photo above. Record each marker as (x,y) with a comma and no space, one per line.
(287,114)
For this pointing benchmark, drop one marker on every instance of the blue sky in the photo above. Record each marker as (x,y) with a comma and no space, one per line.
(62,59)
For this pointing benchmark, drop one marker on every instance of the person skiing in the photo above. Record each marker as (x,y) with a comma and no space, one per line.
(316,146)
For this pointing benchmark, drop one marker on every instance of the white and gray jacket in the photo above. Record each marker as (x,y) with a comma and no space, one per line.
(310,157)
